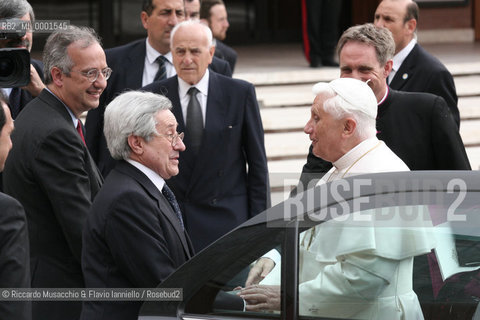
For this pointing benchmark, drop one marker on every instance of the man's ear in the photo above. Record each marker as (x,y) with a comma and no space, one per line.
(388,68)
(349,127)
(212,53)
(57,76)
(411,25)
(136,144)
(144,17)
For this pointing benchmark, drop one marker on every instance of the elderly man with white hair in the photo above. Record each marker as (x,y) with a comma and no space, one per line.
(350,271)
(342,130)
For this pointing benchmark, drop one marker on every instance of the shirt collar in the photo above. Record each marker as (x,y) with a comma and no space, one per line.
(384,97)
(74,119)
(158,181)
(355,154)
(202,85)
(403,54)
(153,54)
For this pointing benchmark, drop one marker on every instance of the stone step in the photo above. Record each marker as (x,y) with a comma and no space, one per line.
(468,85)
(294,145)
(291,119)
(301,94)
(469,108)
(304,76)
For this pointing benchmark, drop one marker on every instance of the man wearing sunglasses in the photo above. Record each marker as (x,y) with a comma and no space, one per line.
(50,170)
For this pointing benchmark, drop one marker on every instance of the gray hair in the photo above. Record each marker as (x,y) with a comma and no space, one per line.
(412,12)
(55,52)
(198,24)
(15,9)
(379,38)
(132,113)
(347,97)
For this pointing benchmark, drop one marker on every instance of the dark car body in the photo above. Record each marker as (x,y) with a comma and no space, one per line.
(453,195)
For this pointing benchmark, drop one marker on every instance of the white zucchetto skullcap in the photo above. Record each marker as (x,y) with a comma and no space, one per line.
(357,94)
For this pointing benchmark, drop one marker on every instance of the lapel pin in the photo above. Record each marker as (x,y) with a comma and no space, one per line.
(405,76)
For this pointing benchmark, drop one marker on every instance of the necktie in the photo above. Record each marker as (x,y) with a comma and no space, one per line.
(162,69)
(173,202)
(194,128)
(80,131)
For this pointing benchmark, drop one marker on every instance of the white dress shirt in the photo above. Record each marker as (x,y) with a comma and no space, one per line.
(151,66)
(158,181)
(400,57)
(202,87)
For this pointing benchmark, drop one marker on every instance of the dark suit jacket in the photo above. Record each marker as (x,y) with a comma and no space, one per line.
(14,257)
(422,72)
(214,189)
(50,171)
(132,239)
(418,127)
(224,52)
(127,63)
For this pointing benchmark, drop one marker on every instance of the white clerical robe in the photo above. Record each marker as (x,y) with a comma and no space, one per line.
(363,270)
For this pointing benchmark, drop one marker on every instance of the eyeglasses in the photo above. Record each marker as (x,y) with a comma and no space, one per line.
(92,74)
(174,138)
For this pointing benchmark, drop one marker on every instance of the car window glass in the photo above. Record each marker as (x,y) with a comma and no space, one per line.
(219,295)
(356,267)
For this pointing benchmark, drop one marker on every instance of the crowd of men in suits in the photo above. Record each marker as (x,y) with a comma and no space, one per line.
(158,174)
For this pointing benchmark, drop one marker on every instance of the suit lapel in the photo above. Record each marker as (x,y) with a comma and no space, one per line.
(135,68)
(163,204)
(96,179)
(406,70)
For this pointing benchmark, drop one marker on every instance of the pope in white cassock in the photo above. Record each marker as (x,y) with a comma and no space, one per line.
(351,271)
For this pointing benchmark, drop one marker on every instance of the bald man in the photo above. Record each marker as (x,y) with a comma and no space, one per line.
(414,69)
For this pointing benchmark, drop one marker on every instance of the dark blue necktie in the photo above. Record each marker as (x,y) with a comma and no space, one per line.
(173,202)
(162,69)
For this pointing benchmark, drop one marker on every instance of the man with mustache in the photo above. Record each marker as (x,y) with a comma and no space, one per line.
(50,171)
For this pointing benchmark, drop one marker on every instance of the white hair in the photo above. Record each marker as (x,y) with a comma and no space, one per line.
(131,113)
(347,97)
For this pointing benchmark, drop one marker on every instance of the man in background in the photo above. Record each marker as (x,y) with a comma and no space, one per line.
(414,69)
(214,13)
(418,127)
(192,9)
(138,64)
(223,135)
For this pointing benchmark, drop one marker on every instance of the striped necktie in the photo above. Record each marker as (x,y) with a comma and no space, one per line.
(162,68)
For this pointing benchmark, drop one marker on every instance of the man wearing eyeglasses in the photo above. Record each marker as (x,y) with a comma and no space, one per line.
(134,236)
(50,170)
